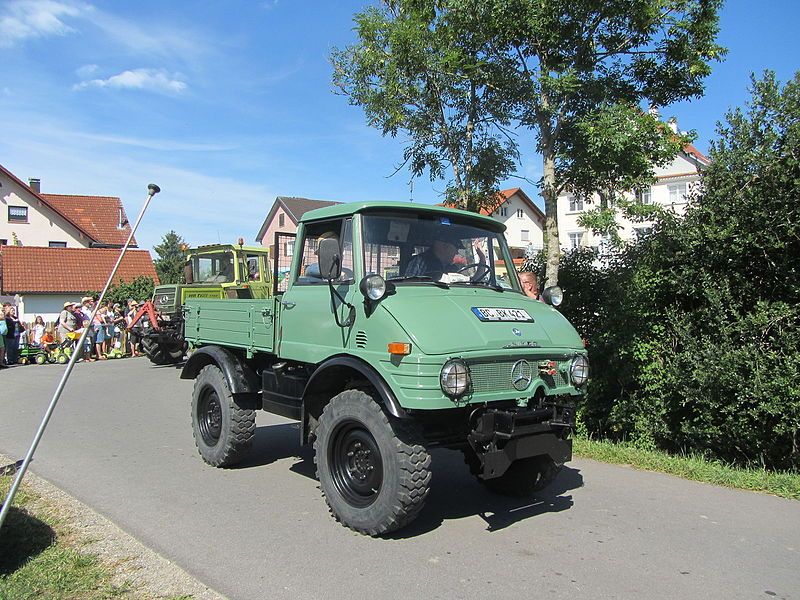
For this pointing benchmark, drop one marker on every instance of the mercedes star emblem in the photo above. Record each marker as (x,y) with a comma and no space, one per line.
(516,331)
(521,375)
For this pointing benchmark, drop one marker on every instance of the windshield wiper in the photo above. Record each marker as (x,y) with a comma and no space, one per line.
(419,278)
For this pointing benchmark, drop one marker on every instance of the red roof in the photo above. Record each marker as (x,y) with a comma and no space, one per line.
(31,269)
(695,153)
(505,195)
(99,216)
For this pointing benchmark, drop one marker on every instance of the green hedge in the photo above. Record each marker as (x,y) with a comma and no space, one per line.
(694,332)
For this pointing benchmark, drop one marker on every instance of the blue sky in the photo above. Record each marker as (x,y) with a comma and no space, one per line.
(228,104)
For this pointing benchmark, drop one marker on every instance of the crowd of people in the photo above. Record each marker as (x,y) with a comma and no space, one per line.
(111,331)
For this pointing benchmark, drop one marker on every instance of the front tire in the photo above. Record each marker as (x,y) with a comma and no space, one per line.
(373,471)
(223,431)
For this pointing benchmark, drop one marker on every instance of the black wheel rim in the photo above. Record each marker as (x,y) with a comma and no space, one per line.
(356,465)
(209,416)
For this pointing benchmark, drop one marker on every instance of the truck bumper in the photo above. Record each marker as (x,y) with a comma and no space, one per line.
(499,437)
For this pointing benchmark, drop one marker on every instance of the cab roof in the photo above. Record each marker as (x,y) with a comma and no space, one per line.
(218,247)
(350,208)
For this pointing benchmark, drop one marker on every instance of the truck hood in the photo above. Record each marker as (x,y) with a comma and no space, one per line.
(442,321)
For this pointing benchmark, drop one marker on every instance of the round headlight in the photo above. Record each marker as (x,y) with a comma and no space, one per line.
(373,287)
(579,370)
(553,295)
(454,378)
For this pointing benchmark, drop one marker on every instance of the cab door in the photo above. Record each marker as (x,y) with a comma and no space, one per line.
(308,311)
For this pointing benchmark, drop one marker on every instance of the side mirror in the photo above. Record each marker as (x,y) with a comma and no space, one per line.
(330,263)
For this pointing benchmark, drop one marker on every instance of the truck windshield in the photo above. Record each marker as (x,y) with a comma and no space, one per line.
(213,268)
(435,248)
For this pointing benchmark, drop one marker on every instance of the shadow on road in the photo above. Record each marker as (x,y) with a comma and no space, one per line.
(454,494)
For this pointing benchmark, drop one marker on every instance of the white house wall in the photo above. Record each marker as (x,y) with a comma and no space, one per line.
(48,306)
(515,225)
(44,225)
(681,170)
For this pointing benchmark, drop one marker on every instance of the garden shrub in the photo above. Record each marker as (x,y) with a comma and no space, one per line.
(694,332)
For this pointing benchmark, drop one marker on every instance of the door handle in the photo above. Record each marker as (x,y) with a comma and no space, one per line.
(287,304)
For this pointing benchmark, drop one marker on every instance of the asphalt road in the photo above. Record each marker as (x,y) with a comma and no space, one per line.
(120,441)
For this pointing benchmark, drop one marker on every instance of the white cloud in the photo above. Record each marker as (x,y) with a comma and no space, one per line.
(25,19)
(86,71)
(153,80)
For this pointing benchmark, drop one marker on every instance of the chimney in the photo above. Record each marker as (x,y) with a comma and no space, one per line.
(673,124)
(35,185)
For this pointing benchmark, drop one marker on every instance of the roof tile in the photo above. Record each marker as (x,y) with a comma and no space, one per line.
(31,269)
(99,216)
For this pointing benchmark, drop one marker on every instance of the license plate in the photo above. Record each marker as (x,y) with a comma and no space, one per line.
(502,314)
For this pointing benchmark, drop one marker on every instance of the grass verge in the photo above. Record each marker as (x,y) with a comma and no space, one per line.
(697,468)
(43,555)
(40,557)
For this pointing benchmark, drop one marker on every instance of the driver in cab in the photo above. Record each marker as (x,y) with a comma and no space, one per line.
(436,260)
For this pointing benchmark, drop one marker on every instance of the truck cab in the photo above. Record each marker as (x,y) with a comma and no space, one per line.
(401,328)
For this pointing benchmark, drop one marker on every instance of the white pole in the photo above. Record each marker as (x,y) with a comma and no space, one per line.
(152,190)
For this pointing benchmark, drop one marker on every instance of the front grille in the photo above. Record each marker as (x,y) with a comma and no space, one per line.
(495,376)
(164,299)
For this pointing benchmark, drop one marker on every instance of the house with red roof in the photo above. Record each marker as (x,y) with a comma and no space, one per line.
(56,247)
(524,221)
(673,189)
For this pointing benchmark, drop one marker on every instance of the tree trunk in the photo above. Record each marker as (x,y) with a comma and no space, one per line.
(550,196)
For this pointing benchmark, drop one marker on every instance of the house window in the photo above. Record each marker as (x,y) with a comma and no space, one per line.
(575,239)
(644,196)
(677,192)
(575,204)
(503,211)
(57,244)
(288,248)
(519,213)
(3,242)
(280,220)
(17,214)
(525,235)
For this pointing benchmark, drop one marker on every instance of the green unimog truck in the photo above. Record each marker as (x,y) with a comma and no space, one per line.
(399,328)
(211,271)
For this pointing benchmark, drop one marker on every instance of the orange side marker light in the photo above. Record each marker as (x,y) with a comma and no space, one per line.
(399,348)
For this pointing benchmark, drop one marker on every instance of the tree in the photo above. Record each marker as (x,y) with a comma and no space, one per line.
(141,288)
(169,264)
(415,71)
(577,63)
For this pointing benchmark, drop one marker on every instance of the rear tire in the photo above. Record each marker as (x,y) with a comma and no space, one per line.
(223,431)
(373,470)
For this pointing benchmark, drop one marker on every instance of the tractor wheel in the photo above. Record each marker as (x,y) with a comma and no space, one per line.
(160,354)
(62,359)
(223,430)
(24,360)
(40,359)
(373,470)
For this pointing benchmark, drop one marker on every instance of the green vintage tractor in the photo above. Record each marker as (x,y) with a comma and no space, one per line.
(212,271)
